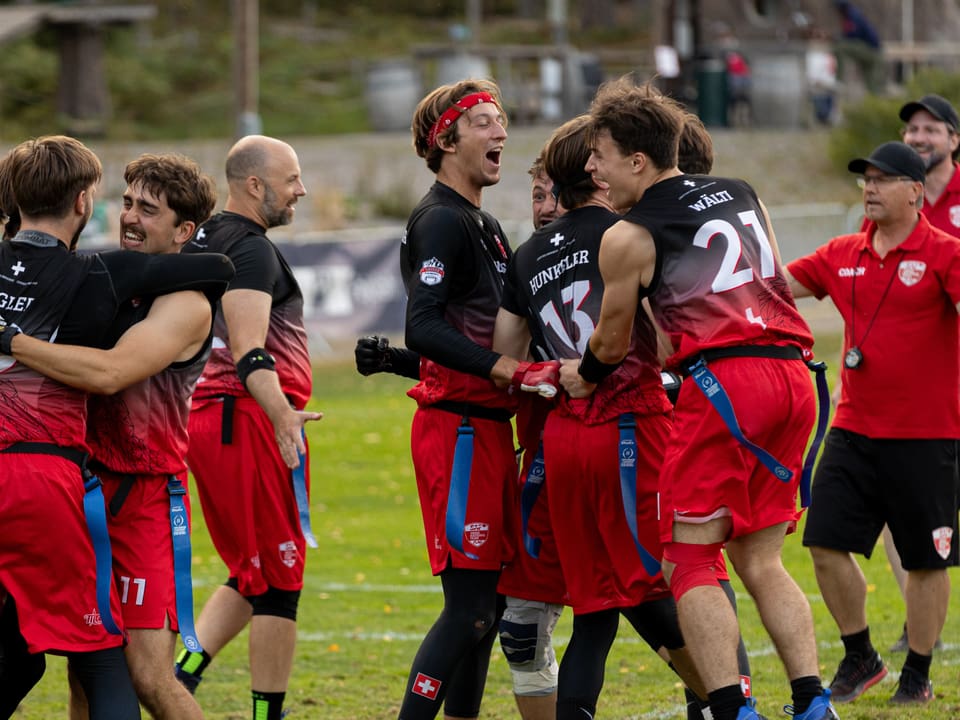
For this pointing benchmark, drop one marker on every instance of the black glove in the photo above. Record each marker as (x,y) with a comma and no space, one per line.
(372,355)
(7,333)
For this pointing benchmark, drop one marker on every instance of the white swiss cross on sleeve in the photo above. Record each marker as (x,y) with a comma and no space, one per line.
(556,240)
(18,268)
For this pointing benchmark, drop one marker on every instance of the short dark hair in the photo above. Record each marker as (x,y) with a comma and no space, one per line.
(47,173)
(189,192)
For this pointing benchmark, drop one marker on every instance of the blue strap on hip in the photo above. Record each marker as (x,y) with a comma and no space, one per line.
(182,560)
(711,387)
(628,487)
(823,416)
(303,501)
(532,485)
(95,512)
(460,487)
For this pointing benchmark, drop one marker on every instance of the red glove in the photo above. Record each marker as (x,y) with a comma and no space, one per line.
(541,377)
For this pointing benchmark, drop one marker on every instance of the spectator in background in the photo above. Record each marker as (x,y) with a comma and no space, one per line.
(859,43)
(739,79)
(821,67)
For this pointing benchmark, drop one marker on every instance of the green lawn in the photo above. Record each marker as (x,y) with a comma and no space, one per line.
(369,595)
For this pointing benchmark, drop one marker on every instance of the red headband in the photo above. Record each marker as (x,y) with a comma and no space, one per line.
(452,113)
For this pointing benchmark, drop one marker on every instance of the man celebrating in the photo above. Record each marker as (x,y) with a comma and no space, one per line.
(246,427)
(138,436)
(888,459)
(702,249)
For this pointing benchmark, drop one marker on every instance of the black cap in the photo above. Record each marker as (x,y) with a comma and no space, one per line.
(893,158)
(937,106)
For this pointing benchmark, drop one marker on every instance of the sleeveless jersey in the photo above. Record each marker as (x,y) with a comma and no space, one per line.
(453,247)
(233,235)
(554,281)
(717,281)
(142,430)
(39,279)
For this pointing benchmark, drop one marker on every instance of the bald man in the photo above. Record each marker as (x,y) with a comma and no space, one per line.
(246,426)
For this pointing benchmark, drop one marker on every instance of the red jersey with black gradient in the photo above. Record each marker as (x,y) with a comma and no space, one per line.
(453,257)
(259,266)
(717,281)
(143,428)
(554,281)
(895,309)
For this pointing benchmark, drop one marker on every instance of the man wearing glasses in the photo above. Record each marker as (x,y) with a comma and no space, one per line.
(888,458)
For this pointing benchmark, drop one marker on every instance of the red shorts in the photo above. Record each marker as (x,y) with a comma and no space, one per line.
(433,440)
(47,562)
(143,550)
(707,473)
(246,494)
(526,577)
(601,565)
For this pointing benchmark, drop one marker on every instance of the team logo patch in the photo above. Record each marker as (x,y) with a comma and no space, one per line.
(955,215)
(942,541)
(476,533)
(431,272)
(288,553)
(911,271)
(92,618)
(426,686)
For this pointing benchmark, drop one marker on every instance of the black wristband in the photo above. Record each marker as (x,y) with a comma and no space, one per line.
(6,338)
(592,370)
(256,359)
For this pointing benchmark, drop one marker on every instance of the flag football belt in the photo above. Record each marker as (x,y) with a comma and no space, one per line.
(297,477)
(710,386)
(627,425)
(532,485)
(95,512)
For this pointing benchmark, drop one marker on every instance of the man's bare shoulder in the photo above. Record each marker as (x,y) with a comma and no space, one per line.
(626,238)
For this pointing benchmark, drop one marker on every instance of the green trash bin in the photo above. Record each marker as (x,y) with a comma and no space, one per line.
(712,92)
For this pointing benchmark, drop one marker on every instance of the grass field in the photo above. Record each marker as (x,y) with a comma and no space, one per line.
(369,596)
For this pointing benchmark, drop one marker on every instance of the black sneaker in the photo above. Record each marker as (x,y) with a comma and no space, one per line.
(855,675)
(914,688)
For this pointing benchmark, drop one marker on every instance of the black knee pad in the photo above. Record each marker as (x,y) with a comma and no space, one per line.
(276,602)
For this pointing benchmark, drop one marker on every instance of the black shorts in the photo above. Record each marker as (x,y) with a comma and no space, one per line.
(911,485)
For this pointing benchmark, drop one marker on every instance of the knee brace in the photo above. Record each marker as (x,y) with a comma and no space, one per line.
(695,566)
(526,633)
(276,602)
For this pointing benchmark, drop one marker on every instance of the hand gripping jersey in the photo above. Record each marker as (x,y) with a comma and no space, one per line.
(452,259)
(717,281)
(259,266)
(554,281)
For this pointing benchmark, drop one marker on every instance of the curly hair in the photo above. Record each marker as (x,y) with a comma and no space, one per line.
(189,192)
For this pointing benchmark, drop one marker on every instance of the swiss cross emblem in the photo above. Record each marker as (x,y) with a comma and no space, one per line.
(745,686)
(955,215)
(910,271)
(476,533)
(426,686)
(942,540)
(288,553)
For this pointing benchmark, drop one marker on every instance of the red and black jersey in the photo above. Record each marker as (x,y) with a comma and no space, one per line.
(717,281)
(142,430)
(259,266)
(554,281)
(453,257)
(39,280)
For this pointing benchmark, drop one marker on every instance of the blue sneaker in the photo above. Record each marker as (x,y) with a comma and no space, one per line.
(749,711)
(820,709)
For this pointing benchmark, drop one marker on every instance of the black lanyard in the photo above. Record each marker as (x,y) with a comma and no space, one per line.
(854,356)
